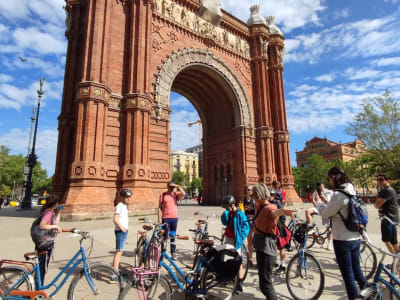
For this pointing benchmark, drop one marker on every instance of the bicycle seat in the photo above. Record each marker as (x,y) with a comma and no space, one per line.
(205,243)
(314,213)
(201,221)
(33,255)
(147,227)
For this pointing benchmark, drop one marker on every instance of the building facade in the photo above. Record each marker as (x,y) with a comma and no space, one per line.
(330,150)
(124,58)
(199,151)
(187,163)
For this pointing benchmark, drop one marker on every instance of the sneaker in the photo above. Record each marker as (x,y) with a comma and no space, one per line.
(173,256)
(240,286)
(114,279)
(280,270)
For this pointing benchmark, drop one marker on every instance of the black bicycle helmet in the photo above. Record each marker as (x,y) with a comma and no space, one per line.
(125,193)
(227,201)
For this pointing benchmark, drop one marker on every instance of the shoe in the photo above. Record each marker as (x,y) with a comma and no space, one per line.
(280,270)
(239,288)
(276,265)
(114,279)
(173,256)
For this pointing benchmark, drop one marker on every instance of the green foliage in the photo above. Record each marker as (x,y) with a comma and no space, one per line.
(378,126)
(179,178)
(11,172)
(196,184)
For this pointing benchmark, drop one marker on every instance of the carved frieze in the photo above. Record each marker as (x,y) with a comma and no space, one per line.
(191,21)
(244,70)
(162,38)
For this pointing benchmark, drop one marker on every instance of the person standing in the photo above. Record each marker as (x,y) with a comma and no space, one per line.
(168,212)
(50,217)
(236,230)
(249,210)
(280,193)
(121,221)
(346,244)
(388,211)
(1,202)
(266,220)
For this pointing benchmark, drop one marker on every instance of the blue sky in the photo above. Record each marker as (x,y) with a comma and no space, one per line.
(337,53)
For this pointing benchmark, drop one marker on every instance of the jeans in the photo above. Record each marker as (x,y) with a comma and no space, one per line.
(265,264)
(44,261)
(348,258)
(171,231)
(120,239)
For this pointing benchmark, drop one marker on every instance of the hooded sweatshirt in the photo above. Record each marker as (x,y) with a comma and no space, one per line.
(339,202)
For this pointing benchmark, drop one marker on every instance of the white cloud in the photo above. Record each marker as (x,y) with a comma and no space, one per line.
(343,13)
(46,146)
(326,77)
(365,38)
(290,14)
(4,33)
(359,74)
(5,78)
(387,61)
(15,97)
(14,9)
(180,102)
(184,137)
(48,67)
(392,1)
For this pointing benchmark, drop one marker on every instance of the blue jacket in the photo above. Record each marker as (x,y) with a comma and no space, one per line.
(241,226)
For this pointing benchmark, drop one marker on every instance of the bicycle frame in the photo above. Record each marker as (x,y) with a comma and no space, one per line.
(378,278)
(72,265)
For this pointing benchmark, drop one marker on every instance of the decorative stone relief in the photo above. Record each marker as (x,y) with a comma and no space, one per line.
(273,29)
(158,43)
(210,10)
(244,71)
(190,20)
(264,47)
(280,52)
(186,57)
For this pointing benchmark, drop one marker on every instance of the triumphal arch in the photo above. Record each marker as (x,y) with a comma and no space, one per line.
(125,57)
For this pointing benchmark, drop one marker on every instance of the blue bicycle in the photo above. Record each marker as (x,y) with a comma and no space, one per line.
(21,280)
(373,291)
(305,278)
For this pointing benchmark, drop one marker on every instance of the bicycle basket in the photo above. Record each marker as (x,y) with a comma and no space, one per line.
(224,261)
(300,233)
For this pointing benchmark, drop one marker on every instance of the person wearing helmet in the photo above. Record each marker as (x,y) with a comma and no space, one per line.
(237,228)
(121,226)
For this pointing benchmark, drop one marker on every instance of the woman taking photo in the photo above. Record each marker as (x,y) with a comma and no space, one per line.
(266,220)
(345,243)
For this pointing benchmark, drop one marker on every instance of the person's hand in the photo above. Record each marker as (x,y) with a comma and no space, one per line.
(322,197)
(291,212)
(57,228)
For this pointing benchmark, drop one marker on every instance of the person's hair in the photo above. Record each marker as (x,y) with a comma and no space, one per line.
(261,191)
(339,176)
(386,177)
(318,183)
(246,187)
(50,202)
(170,183)
(276,183)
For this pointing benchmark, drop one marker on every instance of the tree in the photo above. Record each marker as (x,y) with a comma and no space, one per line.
(179,178)
(196,184)
(361,170)
(378,126)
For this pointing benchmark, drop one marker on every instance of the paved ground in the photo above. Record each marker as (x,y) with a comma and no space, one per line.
(15,241)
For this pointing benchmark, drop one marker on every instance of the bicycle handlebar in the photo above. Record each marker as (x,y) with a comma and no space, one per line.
(381,250)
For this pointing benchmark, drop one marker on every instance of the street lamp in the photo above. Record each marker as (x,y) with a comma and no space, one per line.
(30,164)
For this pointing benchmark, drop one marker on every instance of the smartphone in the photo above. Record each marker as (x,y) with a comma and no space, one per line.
(318,189)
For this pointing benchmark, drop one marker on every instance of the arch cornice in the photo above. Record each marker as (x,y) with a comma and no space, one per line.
(185,58)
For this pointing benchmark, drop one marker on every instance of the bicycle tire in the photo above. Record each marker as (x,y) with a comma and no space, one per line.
(139,252)
(160,290)
(9,275)
(368,260)
(310,241)
(100,274)
(294,272)
(223,290)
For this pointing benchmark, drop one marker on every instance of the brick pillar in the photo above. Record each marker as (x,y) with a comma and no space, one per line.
(136,172)
(261,100)
(278,110)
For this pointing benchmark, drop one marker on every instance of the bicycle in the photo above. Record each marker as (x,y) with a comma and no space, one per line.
(373,291)
(17,280)
(147,281)
(305,278)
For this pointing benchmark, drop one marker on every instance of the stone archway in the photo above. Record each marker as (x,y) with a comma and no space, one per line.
(123,59)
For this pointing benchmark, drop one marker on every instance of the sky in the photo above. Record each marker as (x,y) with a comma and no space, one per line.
(337,52)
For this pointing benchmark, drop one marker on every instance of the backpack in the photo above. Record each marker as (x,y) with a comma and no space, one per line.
(357,219)
(300,234)
(224,261)
(43,239)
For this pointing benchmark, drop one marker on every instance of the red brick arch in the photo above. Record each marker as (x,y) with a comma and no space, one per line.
(124,57)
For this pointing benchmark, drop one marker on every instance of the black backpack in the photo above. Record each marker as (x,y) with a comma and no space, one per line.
(43,239)
(357,219)
(225,263)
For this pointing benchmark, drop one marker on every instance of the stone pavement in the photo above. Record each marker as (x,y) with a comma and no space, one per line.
(15,240)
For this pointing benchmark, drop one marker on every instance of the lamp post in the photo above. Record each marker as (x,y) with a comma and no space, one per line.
(27,201)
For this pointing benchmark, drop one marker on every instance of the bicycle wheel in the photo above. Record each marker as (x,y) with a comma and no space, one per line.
(139,252)
(216,288)
(245,261)
(305,280)
(10,275)
(396,272)
(368,261)
(310,240)
(100,275)
(156,287)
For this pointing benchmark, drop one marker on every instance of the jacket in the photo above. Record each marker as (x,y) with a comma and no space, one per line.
(241,226)
(339,202)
